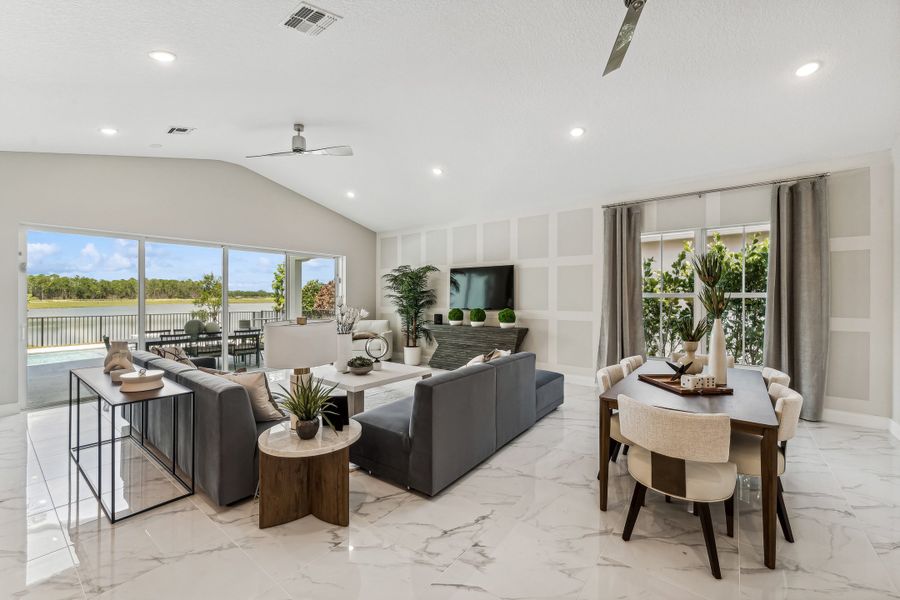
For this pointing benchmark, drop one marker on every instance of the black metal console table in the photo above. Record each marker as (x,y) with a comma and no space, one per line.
(109,394)
(458,344)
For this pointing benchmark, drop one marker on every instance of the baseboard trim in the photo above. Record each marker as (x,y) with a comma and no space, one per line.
(861,420)
(9,409)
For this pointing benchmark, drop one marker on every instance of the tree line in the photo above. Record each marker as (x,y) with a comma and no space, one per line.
(59,287)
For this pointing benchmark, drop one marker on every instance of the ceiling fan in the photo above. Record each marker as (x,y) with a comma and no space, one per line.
(298,147)
(626,33)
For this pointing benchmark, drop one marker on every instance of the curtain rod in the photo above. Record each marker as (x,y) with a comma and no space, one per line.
(721,189)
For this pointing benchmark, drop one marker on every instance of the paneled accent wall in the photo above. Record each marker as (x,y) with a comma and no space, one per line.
(557,261)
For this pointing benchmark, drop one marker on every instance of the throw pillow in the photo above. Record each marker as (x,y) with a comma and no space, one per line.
(363,335)
(488,357)
(175,353)
(257,386)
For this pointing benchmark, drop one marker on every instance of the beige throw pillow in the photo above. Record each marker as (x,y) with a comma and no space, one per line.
(257,386)
(363,335)
(483,358)
(175,353)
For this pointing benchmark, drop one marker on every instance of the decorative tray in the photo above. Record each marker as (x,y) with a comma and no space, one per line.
(664,381)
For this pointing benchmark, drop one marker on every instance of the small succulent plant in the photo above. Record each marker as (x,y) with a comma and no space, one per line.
(455,314)
(507,315)
(477,315)
(359,362)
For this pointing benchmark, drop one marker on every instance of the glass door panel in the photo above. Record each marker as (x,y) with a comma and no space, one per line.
(256,296)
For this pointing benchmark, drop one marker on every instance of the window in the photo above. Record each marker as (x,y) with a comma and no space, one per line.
(669,289)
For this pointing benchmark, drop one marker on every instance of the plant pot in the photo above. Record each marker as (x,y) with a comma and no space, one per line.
(507,325)
(477,323)
(360,370)
(412,356)
(690,348)
(455,322)
(344,351)
(307,430)
(718,361)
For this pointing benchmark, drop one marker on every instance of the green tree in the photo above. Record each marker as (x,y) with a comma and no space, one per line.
(278,288)
(308,295)
(209,297)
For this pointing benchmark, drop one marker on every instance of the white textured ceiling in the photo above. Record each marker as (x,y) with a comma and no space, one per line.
(486,89)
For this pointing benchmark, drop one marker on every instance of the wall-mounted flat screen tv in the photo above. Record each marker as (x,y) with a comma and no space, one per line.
(490,288)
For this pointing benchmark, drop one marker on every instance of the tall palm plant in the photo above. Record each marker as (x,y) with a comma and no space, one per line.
(409,290)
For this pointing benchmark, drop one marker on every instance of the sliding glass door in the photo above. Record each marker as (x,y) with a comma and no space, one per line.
(256,287)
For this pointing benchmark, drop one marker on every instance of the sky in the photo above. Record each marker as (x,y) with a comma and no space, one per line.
(110,258)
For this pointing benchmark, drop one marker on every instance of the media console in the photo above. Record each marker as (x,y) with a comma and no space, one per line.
(458,344)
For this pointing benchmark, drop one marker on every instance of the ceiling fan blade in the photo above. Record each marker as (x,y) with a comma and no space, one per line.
(289,153)
(626,33)
(332,151)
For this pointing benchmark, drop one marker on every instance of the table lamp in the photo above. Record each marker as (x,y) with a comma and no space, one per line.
(299,347)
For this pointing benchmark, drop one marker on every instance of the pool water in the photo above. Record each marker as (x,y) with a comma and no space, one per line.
(63,356)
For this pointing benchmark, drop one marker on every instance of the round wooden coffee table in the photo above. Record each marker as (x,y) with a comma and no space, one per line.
(300,477)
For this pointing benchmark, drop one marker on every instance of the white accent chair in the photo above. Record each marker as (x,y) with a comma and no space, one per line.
(378,327)
(606,378)
(703,359)
(630,363)
(771,376)
(682,455)
(745,446)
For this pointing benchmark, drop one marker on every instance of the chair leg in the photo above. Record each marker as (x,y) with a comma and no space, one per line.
(709,536)
(614,450)
(781,510)
(637,500)
(729,516)
(668,499)
(625,451)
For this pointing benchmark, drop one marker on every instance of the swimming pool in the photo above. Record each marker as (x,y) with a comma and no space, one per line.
(63,356)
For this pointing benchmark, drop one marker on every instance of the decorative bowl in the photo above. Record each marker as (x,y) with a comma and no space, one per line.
(360,370)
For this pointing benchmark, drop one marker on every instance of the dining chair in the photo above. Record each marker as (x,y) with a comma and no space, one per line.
(682,455)
(703,359)
(745,446)
(606,378)
(630,363)
(771,376)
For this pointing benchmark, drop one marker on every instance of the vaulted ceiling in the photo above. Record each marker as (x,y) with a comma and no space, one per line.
(486,90)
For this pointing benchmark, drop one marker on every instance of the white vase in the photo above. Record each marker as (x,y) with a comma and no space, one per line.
(344,351)
(507,325)
(718,361)
(456,322)
(412,356)
(690,348)
(477,323)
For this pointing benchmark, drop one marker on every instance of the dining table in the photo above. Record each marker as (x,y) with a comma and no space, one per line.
(749,408)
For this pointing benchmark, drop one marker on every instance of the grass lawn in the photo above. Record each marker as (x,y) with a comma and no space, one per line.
(92,303)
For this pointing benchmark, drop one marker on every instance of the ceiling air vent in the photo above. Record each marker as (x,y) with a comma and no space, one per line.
(310,20)
(180,130)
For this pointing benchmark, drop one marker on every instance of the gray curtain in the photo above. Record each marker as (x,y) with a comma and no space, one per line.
(797,309)
(621,324)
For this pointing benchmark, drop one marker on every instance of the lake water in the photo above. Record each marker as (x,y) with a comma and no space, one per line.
(132,310)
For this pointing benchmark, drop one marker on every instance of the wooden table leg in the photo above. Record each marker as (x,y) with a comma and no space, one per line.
(291,488)
(356,402)
(768,450)
(329,487)
(604,452)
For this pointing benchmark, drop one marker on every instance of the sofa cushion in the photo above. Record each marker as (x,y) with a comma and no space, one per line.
(516,409)
(383,447)
(141,358)
(550,389)
(542,378)
(171,368)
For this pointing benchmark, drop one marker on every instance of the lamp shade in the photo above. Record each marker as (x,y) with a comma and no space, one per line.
(291,346)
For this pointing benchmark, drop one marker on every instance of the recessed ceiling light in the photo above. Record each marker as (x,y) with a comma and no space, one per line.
(807,69)
(351,194)
(163,56)
(108,131)
(576,132)
(437,171)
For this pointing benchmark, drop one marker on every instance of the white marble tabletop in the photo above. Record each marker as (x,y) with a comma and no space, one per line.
(280,440)
(390,372)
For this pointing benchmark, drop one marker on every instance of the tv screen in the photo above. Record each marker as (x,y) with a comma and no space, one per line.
(490,288)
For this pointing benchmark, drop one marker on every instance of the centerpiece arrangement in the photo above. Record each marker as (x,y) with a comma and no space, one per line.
(709,269)
(690,341)
(346,317)
(409,290)
(307,400)
(360,365)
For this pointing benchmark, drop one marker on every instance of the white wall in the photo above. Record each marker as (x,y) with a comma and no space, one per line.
(558,268)
(198,200)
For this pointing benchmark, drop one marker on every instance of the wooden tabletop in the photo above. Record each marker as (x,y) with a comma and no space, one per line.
(749,404)
(111,392)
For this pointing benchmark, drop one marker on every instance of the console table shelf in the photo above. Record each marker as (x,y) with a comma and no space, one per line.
(458,344)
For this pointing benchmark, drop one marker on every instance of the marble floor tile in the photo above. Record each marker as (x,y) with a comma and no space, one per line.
(525,524)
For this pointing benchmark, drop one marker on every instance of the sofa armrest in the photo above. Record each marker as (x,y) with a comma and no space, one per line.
(453,426)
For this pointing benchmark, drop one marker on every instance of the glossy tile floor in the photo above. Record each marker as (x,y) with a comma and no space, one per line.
(525,524)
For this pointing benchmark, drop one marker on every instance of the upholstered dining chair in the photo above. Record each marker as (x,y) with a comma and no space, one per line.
(703,359)
(606,378)
(630,363)
(683,455)
(771,376)
(745,446)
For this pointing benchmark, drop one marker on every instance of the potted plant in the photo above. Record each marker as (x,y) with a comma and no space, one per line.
(690,339)
(477,317)
(455,316)
(709,268)
(346,318)
(360,365)
(408,289)
(507,318)
(307,400)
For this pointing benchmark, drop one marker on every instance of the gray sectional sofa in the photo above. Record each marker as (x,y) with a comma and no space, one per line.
(227,463)
(454,421)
